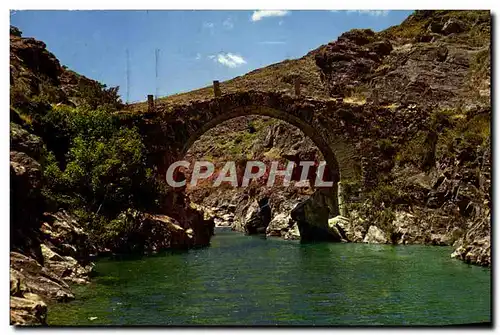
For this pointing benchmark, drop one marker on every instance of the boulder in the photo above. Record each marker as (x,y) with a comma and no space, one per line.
(475,246)
(23,141)
(38,279)
(28,311)
(381,47)
(375,235)
(49,255)
(293,233)
(312,217)
(338,227)
(355,231)
(279,225)
(257,217)
(17,283)
(65,236)
(66,267)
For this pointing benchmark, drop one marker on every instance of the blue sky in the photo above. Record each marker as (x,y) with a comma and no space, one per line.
(195,47)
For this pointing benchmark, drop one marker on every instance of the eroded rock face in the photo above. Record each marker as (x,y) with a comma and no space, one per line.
(27,205)
(65,235)
(28,311)
(475,246)
(351,59)
(153,232)
(38,279)
(453,26)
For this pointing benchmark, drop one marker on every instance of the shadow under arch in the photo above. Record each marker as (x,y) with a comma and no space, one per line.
(308,130)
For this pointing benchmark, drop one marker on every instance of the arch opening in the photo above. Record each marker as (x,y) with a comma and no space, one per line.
(308,130)
(327,203)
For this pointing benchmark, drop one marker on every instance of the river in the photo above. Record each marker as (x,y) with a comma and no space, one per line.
(250,280)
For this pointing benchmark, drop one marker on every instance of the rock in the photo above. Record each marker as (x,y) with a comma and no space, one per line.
(28,311)
(252,217)
(453,26)
(439,239)
(228,217)
(475,246)
(338,226)
(221,223)
(49,255)
(257,217)
(375,235)
(279,225)
(15,31)
(358,36)
(312,216)
(421,180)
(355,231)
(435,27)
(381,47)
(405,228)
(17,285)
(23,141)
(28,204)
(293,233)
(38,279)
(66,236)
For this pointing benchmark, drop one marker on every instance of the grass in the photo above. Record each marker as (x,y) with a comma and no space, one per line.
(272,78)
(357,96)
(456,131)
(355,100)
(477,26)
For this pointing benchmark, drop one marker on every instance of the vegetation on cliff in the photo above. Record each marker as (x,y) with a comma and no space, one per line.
(93,164)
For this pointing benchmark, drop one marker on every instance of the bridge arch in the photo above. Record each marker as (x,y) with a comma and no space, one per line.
(307,129)
(170,129)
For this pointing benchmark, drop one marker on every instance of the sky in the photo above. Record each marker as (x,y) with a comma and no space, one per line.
(193,47)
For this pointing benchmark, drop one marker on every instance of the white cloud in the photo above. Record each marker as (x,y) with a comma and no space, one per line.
(198,56)
(228,59)
(260,14)
(228,23)
(370,12)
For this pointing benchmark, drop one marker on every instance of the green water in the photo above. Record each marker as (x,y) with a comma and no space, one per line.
(247,280)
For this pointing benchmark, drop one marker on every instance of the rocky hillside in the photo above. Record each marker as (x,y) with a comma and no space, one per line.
(79,184)
(432,183)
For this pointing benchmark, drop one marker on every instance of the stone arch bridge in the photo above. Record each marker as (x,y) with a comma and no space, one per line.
(345,133)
